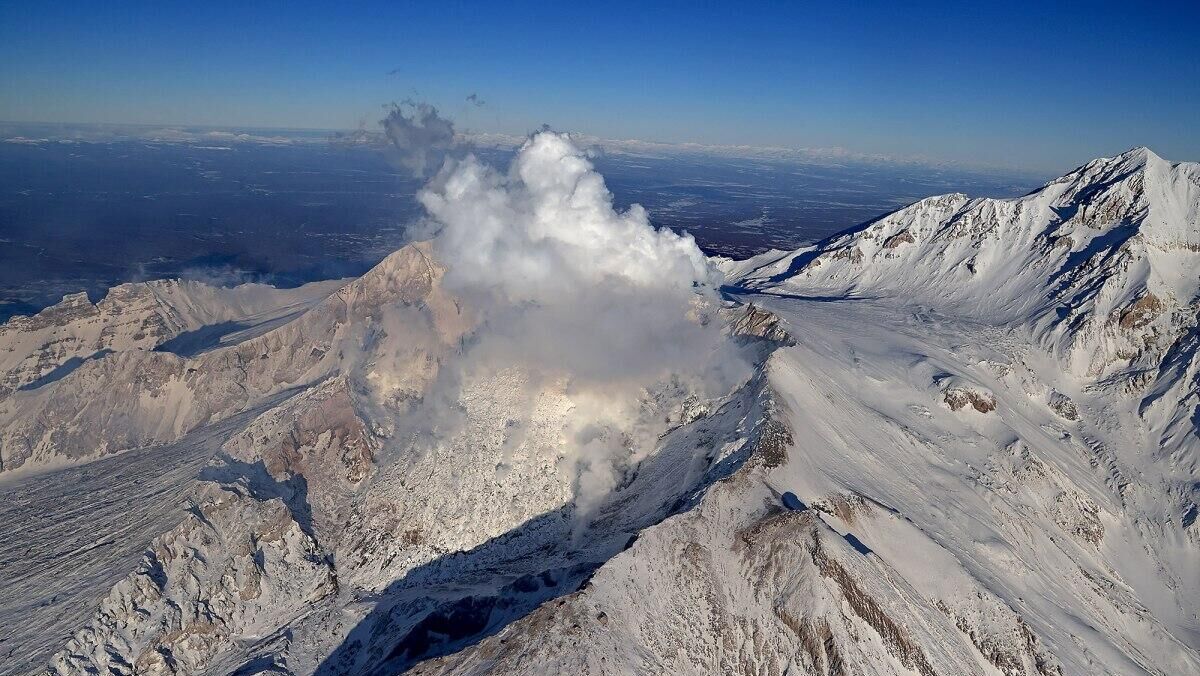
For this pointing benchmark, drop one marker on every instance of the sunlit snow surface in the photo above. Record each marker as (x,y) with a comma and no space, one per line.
(952,503)
(1010,497)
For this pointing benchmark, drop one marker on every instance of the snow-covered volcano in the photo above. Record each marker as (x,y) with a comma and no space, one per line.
(957,440)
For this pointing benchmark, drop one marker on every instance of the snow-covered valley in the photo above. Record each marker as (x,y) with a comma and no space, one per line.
(960,439)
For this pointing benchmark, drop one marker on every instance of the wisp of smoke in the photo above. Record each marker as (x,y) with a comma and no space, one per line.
(420,138)
(223,276)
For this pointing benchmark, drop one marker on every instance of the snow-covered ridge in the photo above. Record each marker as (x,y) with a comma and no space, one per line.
(953,497)
(892,532)
(953,248)
(131,398)
(135,316)
(1100,267)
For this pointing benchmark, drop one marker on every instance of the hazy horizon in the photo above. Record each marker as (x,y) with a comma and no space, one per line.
(1031,87)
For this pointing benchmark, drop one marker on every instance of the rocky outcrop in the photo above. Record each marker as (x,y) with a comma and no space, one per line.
(752,321)
(1062,405)
(904,237)
(1143,311)
(958,398)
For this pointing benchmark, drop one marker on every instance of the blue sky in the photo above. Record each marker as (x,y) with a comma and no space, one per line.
(1023,85)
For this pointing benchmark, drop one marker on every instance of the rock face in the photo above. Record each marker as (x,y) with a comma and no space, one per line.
(958,398)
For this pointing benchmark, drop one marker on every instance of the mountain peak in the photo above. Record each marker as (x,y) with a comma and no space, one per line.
(1139,154)
(1134,160)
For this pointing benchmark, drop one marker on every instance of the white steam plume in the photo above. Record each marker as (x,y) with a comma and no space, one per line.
(543,246)
(573,293)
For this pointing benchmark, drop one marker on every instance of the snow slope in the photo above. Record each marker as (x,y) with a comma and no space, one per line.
(351,544)
(71,533)
(1100,267)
